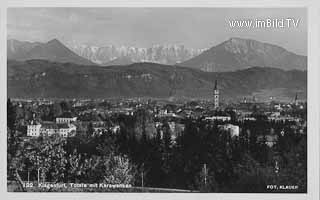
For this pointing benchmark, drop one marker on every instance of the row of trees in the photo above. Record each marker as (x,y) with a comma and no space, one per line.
(58,159)
(238,164)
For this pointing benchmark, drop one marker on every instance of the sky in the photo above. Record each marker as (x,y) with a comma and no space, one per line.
(144,27)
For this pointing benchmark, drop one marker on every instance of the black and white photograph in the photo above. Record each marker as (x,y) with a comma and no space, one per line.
(157,99)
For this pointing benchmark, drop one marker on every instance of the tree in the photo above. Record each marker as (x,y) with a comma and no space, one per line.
(106,143)
(249,176)
(56,110)
(44,113)
(105,167)
(65,106)
(205,180)
(294,169)
(15,155)
(14,142)
(48,156)
(118,170)
(85,168)
(90,130)
(73,167)
(166,137)
(11,115)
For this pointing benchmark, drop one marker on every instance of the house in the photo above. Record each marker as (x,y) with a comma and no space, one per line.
(247,119)
(284,118)
(176,129)
(33,130)
(66,118)
(270,140)
(62,120)
(218,118)
(233,130)
(115,129)
(50,128)
(66,130)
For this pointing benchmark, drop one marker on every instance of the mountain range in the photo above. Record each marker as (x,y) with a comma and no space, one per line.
(243,67)
(238,53)
(111,55)
(231,55)
(42,78)
(53,50)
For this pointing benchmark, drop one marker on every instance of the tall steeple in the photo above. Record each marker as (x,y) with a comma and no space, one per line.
(215,84)
(216,95)
(296,99)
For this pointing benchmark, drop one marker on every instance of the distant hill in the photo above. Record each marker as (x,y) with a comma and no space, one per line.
(17,50)
(40,78)
(53,50)
(237,53)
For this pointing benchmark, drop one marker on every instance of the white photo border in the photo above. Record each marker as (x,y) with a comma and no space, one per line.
(313,94)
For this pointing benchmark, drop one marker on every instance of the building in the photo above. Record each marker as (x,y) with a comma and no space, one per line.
(270,140)
(284,119)
(33,130)
(233,130)
(296,100)
(50,128)
(66,118)
(242,119)
(218,118)
(216,95)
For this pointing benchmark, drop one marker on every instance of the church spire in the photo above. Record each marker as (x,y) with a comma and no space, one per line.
(215,85)
(296,99)
(216,95)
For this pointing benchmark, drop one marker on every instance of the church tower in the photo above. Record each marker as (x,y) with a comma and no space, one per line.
(296,99)
(216,95)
